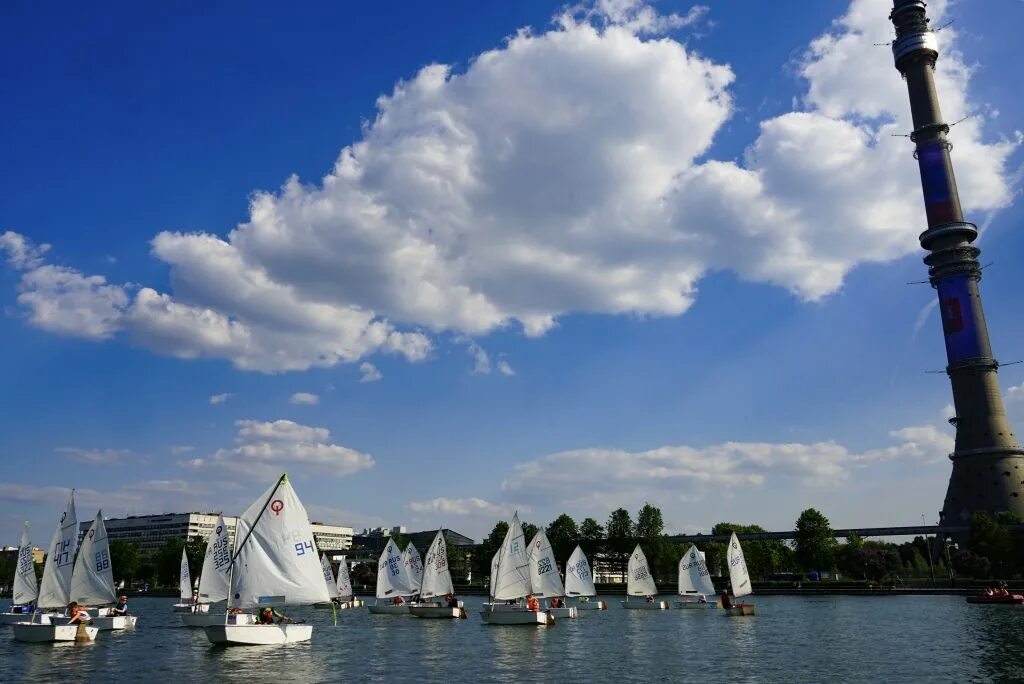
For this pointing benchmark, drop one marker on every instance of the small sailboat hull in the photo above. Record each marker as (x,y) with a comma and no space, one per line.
(517,617)
(568,612)
(104,624)
(437,612)
(258,635)
(189,608)
(390,610)
(697,605)
(13,618)
(35,632)
(344,605)
(644,605)
(202,619)
(740,610)
(592,605)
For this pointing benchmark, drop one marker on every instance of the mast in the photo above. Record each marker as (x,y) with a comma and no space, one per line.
(986,461)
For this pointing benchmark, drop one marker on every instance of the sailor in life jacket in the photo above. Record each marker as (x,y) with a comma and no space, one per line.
(532,603)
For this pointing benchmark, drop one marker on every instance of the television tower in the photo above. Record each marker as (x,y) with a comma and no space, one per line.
(988,462)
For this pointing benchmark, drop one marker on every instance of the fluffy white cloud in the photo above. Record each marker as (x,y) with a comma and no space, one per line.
(468,506)
(304,398)
(98,456)
(265,449)
(369,372)
(220,398)
(567,171)
(1015,404)
(179,449)
(21,252)
(923,442)
(504,368)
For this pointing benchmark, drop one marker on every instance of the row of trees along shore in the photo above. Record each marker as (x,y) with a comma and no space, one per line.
(993,550)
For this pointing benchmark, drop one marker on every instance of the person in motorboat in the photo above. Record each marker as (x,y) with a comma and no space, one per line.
(122,606)
(452,600)
(726,601)
(532,604)
(79,614)
(266,617)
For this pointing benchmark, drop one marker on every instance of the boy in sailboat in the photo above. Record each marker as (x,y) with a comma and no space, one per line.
(79,614)
(532,604)
(266,617)
(726,601)
(122,606)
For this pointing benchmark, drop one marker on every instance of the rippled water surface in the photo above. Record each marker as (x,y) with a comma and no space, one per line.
(792,639)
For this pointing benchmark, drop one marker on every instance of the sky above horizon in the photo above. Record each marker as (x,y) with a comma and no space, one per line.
(443,262)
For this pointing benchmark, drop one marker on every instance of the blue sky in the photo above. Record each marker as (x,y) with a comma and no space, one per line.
(631,254)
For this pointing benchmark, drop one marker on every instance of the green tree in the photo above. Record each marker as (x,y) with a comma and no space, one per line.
(591,537)
(620,538)
(124,560)
(487,548)
(992,539)
(564,536)
(763,557)
(529,530)
(969,564)
(649,523)
(815,543)
(168,561)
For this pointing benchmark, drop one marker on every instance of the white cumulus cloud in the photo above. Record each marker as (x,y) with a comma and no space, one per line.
(369,372)
(304,398)
(264,449)
(467,506)
(97,456)
(220,398)
(571,170)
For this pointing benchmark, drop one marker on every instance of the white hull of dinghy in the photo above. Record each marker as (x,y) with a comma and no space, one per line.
(696,605)
(560,613)
(437,612)
(104,624)
(12,618)
(35,632)
(258,635)
(592,605)
(189,608)
(517,617)
(644,605)
(390,610)
(202,619)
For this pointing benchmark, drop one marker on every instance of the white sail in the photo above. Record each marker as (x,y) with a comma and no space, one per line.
(184,579)
(392,579)
(332,588)
(26,590)
(275,559)
(738,574)
(344,589)
(437,579)
(92,582)
(215,577)
(513,572)
(544,578)
(493,580)
(694,577)
(579,581)
(640,581)
(55,590)
(413,567)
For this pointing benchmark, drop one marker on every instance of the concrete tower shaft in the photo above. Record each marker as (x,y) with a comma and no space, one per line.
(988,462)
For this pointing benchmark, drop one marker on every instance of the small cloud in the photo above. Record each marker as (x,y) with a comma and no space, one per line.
(220,398)
(504,368)
(100,456)
(304,398)
(468,506)
(179,449)
(370,372)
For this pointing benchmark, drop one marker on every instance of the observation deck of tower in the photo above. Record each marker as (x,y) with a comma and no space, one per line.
(988,461)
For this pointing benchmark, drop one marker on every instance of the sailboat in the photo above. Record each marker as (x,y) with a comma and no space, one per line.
(214,579)
(579,581)
(345,593)
(55,589)
(437,581)
(695,580)
(92,582)
(393,583)
(184,587)
(332,588)
(641,583)
(413,567)
(275,563)
(510,581)
(740,579)
(26,590)
(544,578)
